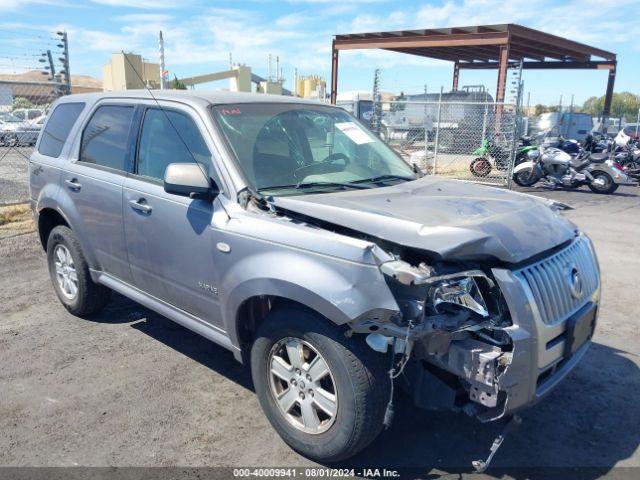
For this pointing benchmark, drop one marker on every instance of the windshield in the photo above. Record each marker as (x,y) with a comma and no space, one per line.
(283,148)
(7,117)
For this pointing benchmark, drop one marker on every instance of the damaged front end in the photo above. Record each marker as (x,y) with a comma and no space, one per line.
(452,338)
(489,341)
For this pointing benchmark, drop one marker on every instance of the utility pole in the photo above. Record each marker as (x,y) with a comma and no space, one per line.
(50,71)
(560,104)
(568,127)
(64,44)
(377,108)
(161,49)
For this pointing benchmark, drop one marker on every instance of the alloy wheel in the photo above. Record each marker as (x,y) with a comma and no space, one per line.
(66,274)
(302,385)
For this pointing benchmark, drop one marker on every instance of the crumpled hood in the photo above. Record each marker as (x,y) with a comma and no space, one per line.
(450,219)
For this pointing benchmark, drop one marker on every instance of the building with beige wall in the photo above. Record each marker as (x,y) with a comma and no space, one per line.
(128,71)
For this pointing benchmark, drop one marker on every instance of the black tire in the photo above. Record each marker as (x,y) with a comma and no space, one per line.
(361,383)
(11,140)
(90,297)
(480,167)
(525,179)
(609,186)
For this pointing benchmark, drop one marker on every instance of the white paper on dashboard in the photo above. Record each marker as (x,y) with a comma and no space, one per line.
(354,132)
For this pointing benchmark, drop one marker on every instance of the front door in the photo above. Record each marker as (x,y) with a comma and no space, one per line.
(170,242)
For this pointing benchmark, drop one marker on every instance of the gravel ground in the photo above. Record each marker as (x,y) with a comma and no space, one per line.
(130,388)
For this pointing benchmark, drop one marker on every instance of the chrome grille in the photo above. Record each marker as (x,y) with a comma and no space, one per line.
(551,280)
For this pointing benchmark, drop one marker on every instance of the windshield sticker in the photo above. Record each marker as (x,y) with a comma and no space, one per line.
(230,111)
(354,132)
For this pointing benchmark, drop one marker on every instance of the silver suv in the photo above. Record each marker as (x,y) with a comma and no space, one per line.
(286,232)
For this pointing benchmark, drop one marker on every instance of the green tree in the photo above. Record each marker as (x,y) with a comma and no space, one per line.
(624,105)
(177,84)
(539,109)
(21,102)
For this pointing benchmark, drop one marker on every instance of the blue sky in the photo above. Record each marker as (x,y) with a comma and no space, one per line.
(200,34)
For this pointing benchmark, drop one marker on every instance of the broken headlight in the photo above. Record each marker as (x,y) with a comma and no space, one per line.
(462,291)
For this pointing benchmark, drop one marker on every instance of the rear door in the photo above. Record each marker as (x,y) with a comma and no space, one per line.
(93,182)
(170,242)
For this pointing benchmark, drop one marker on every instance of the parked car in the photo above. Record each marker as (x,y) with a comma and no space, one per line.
(28,132)
(28,114)
(286,232)
(9,125)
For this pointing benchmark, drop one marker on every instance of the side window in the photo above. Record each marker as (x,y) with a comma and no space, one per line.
(169,137)
(104,140)
(62,119)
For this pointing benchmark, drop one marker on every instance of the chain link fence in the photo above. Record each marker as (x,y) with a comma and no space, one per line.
(23,107)
(465,140)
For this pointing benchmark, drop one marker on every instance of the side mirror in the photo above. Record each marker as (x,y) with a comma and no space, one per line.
(188,180)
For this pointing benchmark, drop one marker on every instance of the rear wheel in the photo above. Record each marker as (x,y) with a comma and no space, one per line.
(602,183)
(480,167)
(325,394)
(11,140)
(70,276)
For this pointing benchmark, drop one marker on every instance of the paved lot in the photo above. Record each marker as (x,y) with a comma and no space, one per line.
(131,388)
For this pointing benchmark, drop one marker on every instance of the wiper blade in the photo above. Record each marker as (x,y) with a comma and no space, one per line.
(330,184)
(303,185)
(381,178)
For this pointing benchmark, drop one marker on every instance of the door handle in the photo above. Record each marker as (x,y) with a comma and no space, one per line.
(73,184)
(140,205)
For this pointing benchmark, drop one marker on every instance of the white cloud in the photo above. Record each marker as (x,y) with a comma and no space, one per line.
(142,4)
(14,5)
(143,18)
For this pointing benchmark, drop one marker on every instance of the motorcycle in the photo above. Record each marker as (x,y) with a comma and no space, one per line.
(597,142)
(559,168)
(627,152)
(481,166)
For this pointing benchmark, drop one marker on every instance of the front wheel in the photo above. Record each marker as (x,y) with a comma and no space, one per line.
(602,183)
(526,178)
(324,393)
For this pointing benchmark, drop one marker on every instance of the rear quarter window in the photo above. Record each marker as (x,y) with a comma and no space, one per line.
(59,125)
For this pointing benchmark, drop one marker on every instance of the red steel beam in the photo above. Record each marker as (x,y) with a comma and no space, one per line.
(456,76)
(548,65)
(528,34)
(334,73)
(456,40)
(609,94)
(503,64)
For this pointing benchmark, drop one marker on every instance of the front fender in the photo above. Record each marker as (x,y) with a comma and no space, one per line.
(524,166)
(340,290)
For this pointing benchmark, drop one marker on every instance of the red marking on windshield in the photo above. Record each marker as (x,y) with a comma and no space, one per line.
(231,111)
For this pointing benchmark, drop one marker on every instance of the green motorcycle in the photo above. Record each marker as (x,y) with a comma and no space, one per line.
(488,153)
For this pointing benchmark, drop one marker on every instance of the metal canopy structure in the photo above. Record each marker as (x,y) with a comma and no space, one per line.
(484,47)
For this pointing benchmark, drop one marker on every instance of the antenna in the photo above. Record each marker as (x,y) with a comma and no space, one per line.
(166,116)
